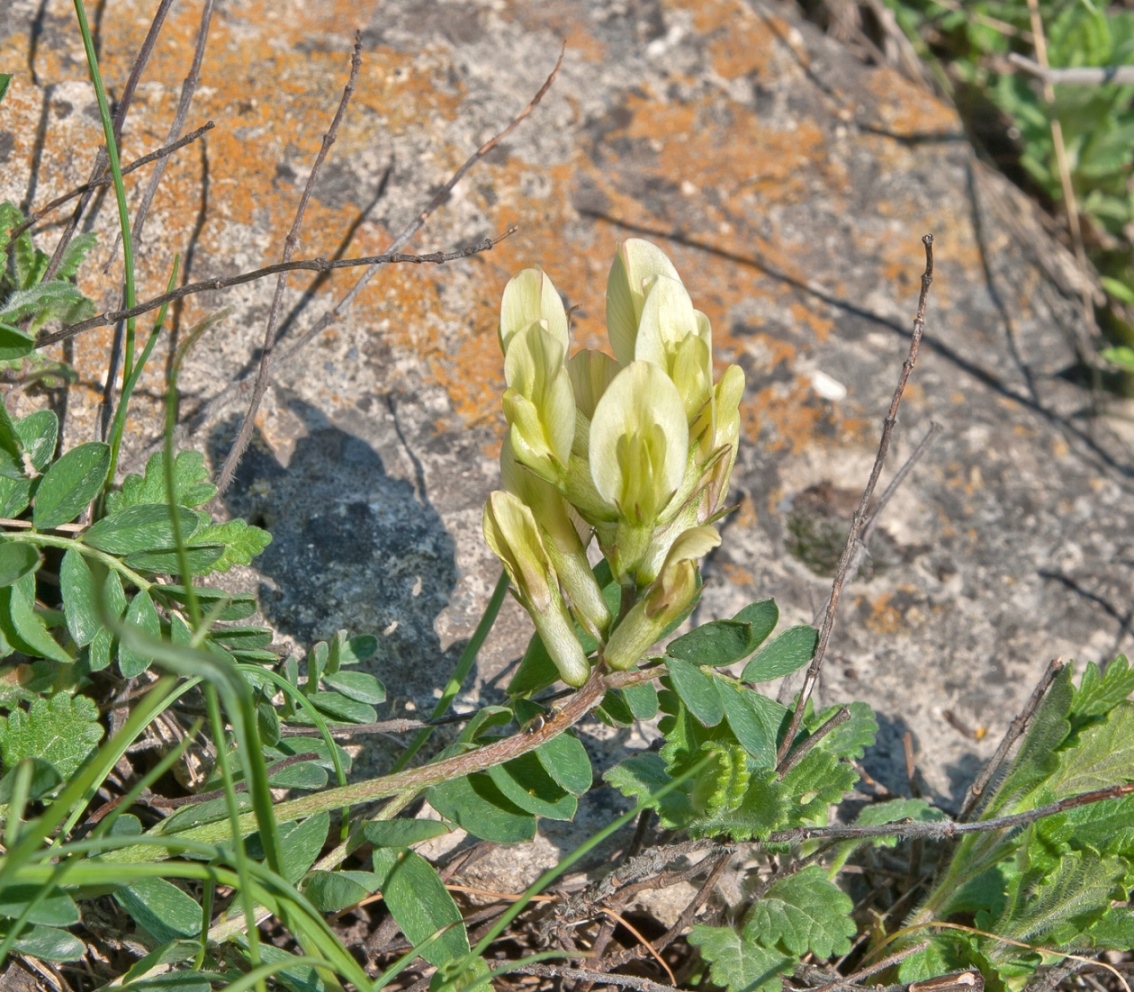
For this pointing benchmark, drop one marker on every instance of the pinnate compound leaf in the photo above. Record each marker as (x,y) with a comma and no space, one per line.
(697,690)
(242,542)
(17,559)
(191,486)
(789,652)
(475,804)
(421,905)
(139,528)
(70,484)
(739,964)
(23,626)
(61,730)
(160,908)
(804,912)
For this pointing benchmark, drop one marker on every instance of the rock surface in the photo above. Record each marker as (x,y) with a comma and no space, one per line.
(791,186)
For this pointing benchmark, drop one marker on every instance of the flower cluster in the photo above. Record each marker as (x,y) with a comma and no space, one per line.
(634,451)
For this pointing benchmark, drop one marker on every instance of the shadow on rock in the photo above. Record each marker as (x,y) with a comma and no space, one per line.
(352,548)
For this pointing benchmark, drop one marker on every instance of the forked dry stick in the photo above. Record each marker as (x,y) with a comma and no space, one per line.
(851,549)
(244,435)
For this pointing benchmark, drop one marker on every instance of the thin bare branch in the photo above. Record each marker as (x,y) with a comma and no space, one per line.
(945,829)
(312,264)
(801,752)
(1015,730)
(340,308)
(860,514)
(244,435)
(1117,75)
(584,975)
(105,180)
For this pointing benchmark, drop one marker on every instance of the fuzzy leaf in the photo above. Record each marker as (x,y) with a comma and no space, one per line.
(61,730)
(789,652)
(640,778)
(38,433)
(1098,694)
(401,833)
(804,912)
(420,903)
(739,964)
(190,483)
(1103,755)
(748,720)
(242,542)
(715,644)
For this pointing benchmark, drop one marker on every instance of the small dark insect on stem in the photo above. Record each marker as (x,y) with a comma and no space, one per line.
(860,514)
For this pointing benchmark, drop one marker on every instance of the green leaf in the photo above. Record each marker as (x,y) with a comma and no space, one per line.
(739,964)
(296,978)
(17,559)
(38,433)
(101,647)
(1115,930)
(804,912)
(789,652)
(62,730)
(242,542)
(524,781)
(475,804)
(142,616)
(1098,694)
(1036,758)
(642,700)
(1103,756)
(139,528)
(70,484)
(49,944)
(565,759)
(304,775)
(57,909)
(79,602)
(240,605)
(330,891)
(715,644)
(14,343)
(191,486)
(199,559)
(756,734)
(640,778)
(23,626)
(302,843)
(359,686)
(343,709)
(697,691)
(160,908)
(894,811)
(402,833)
(15,495)
(10,455)
(44,778)
(762,618)
(420,903)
